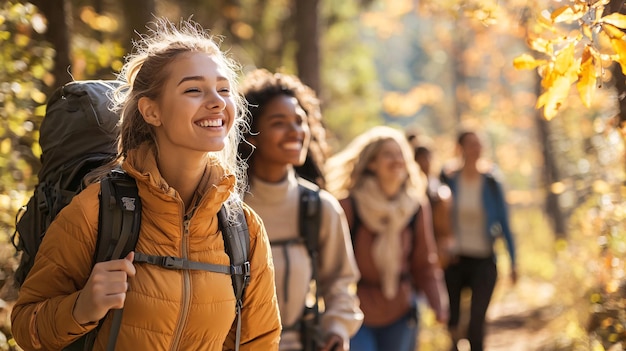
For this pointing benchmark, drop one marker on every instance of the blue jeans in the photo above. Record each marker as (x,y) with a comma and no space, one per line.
(401,335)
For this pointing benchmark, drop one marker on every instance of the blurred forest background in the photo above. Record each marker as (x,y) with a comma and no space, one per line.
(428,67)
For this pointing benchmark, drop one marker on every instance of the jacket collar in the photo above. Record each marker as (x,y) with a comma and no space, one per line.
(214,188)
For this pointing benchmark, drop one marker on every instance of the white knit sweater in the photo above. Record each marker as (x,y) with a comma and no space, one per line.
(278,206)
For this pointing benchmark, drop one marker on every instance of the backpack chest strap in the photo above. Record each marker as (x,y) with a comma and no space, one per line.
(171,262)
(287,242)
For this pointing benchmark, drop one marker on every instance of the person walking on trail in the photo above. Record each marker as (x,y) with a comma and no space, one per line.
(285,151)
(479,218)
(180,109)
(439,196)
(384,197)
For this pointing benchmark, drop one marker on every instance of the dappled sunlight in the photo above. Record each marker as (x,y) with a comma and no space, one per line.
(436,66)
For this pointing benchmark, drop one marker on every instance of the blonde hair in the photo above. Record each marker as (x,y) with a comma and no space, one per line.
(347,169)
(144,75)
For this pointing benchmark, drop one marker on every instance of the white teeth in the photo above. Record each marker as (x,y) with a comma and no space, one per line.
(210,123)
(292,146)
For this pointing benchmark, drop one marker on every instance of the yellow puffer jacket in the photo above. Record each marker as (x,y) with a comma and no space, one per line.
(164,309)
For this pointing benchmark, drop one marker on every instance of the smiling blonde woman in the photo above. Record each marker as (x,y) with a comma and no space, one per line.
(383,195)
(180,107)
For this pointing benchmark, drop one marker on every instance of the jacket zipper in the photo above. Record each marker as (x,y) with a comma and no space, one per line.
(186,288)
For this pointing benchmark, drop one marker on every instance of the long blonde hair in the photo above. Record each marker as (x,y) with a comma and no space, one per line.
(347,169)
(144,75)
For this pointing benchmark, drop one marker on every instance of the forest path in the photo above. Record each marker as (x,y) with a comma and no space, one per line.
(520,317)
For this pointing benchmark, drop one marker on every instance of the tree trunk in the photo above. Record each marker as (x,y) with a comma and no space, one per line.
(58,14)
(307,37)
(550,171)
(616,69)
(137,14)
(618,75)
(459,81)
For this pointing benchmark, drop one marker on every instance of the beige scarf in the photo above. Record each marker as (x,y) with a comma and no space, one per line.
(387,218)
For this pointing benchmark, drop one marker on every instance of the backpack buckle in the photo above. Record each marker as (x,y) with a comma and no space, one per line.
(243,269)
(42,199)
(171,262)
(246,273)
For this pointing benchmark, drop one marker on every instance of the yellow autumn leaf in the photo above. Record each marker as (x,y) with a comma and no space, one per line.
(616,19)
(587,78)
(560,11)
(38,96)
(549,75)
(40,110)
(545,23)
(21,40)
(564,61)
(554,96)
(619,45)
(611,31)
(540,44)
(587,30)
(597,56)
(36,148)
(600,4)
(604,41)
(5,146)
(566,14)
(526,61)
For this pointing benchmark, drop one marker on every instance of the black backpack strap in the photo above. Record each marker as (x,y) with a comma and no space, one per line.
(237,243)
(118,230)
(310,218)
(171,262)
(356,220)
(120,217)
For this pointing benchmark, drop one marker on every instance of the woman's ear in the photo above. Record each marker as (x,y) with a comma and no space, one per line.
(148,109)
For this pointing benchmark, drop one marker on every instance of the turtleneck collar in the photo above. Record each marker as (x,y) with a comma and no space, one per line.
(272,193)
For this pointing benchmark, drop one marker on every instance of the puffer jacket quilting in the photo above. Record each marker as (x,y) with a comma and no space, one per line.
(164,309)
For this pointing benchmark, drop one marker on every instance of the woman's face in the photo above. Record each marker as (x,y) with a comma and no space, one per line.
(471,147)
(282,134)
(195,110)
(389,165)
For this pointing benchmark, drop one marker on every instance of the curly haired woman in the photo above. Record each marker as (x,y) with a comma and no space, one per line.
(288,140)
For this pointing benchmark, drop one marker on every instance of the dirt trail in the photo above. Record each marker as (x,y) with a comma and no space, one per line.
(518,317)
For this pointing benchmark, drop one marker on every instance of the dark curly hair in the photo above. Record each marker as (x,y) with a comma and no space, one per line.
(259,88)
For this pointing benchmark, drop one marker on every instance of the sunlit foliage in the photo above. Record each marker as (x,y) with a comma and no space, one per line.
(95,51)
(575,44)
(26,63)
(438,64)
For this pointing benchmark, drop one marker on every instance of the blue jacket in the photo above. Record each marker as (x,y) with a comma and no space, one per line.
(495,207)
